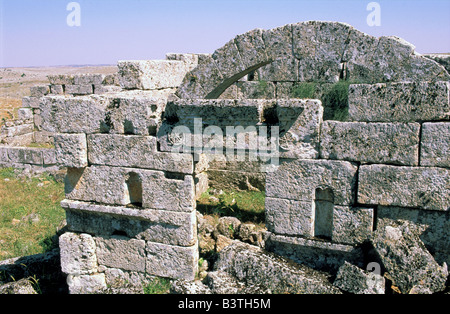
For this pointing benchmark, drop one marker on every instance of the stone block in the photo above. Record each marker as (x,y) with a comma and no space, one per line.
(389,143)
(84,114)
(61,79)
(399,102)
(78,254)
(56,89)
(30,102)
(299,180)
(280,70)
(161,226)
(252,48)
(435,145)
(86,284)
(172,261)
(121,252)
(352,225)
(25,155)
(417,187)
(299,125)
(435,225)
(316,254)
(48,156)
(135,152)
(355,280)
(190,59)
(289,217)
(17,130)
(39,91)
(71,150)
(151,74)
(124,186)
(79,89)
(228,60)
(407,262)
(25,114)
(19,140)
(89,79)
(134,112)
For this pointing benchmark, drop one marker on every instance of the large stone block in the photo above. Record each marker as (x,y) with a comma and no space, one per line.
(135,112)
(124,186)
(289,217)
(161,226)
(135,152)
(352,225)
(79,89)
(252,48)
(299,179)
(317,254)
(435,148)
(399,102)
(435,225)
(84,114)
(71,150)
(61,79)
(172,261)
(417,187)
(121,252)
(151,74)
(391,143)
(89,79)
(78,254)
(25,155)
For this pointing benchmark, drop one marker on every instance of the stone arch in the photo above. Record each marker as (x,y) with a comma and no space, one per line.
(312,51)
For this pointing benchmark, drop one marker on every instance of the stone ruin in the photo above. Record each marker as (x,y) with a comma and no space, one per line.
(141,147)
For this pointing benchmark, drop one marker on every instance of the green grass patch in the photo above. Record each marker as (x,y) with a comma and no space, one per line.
(158,286)
(247,206)
(30,213)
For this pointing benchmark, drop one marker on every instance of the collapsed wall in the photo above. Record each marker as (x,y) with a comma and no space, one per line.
(139,155)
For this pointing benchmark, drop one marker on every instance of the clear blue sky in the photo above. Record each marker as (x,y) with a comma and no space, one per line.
(35,32)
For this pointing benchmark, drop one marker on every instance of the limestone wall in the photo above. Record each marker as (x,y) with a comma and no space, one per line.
(140,153)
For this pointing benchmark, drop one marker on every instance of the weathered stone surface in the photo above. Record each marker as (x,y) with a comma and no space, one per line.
(121,252)
(135,152)
(56,89)
(417,187)
(442,59)
(135,112)
(298,180)
(407,262)
(352,225)
(254,266)
(289,217)
(399,102)
(151,74)
(89,79)
(389,143)
(161,226)
(228,226)
(79,89)
(252,41)
(435,145)
(17,130)
(25,155)
(190,59)
(299,125)
(72,115)
(61,79)
(71,150)
(316,254)
(22,286)
(30,102)
(86,284)
(25,114)
(39,91)
(78,253)
(353,279)
(435,228)
(172,261)
(112,185)
(228,60)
